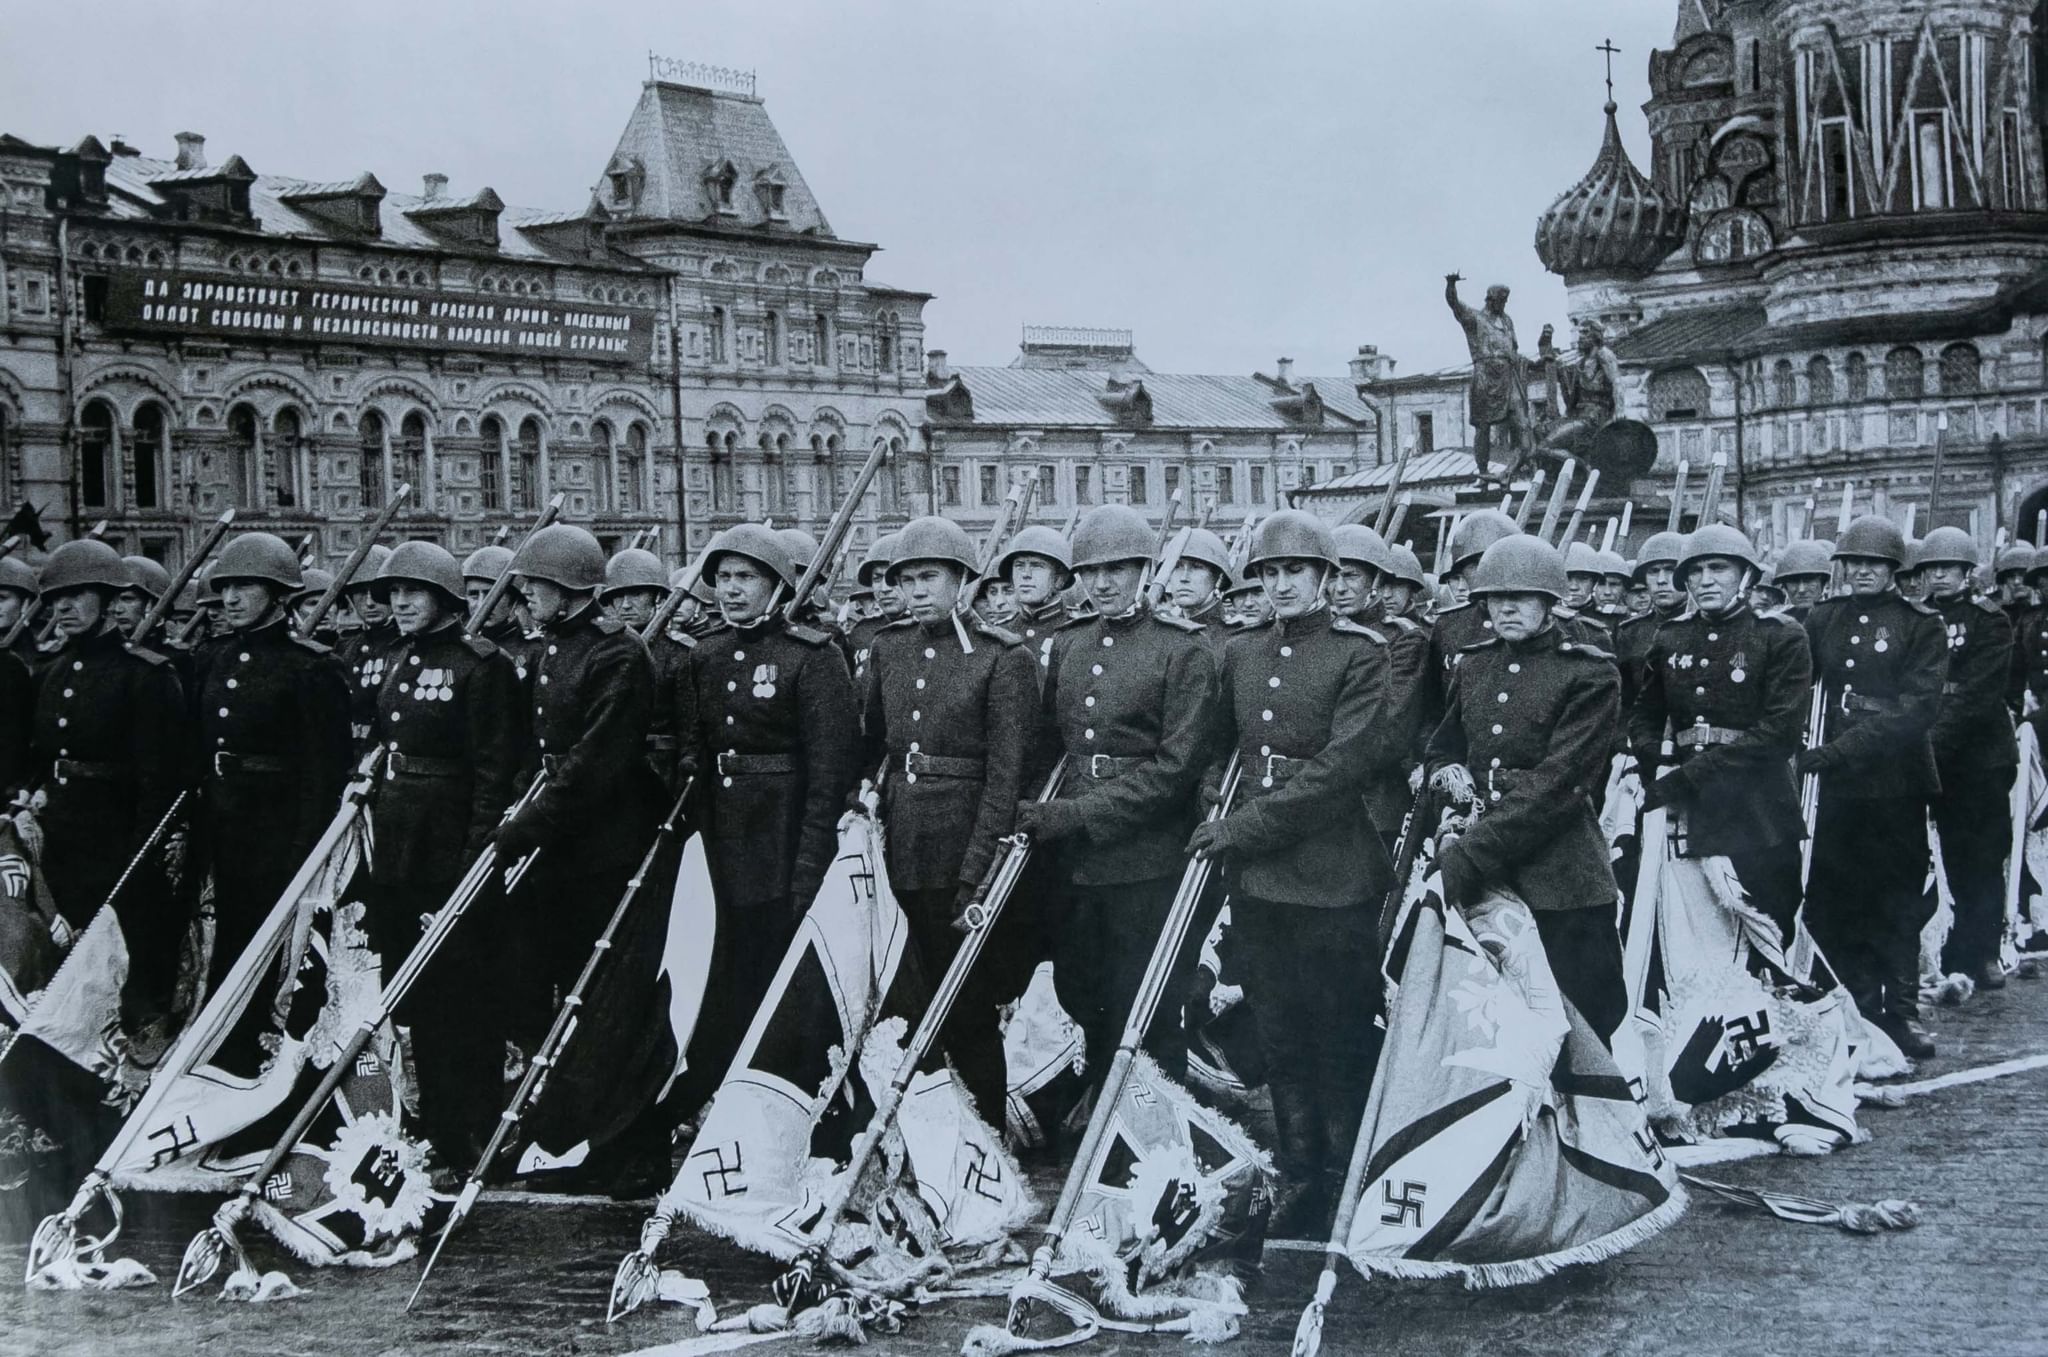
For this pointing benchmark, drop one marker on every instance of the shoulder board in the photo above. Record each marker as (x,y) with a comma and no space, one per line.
(1348,627)
(996,633)
(1484,643)
(1405,624)
(1778,615)
(481,647)
(1986,605)
(898,625)
(1454,608)
(1564,610)
(686,641)
(1590,652)
(1179,623)
(810,636)
(1077,620)
(146,655)
(1925,610)
(610,627)
(308,643)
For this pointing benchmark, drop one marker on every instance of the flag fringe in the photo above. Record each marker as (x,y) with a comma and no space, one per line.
(1523,1271)
(292,1236)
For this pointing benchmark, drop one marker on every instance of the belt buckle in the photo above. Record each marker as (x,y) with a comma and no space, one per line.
(1272,762)
(909,773)
(58,771)
(220,768)
(1095,765)
(724,772)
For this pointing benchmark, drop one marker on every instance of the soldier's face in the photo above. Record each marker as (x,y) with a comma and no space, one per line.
(1610,592)
(1459,583)
(1191,585)
(1638,597)
(545,600)
(1254,608)
(887,600)
(997,603)
(1397,595)
(1578,590)
(77,611)
(1293,586)
(1805,590)
(744,589)
(1945,579)
(633,608)
(1351,588)
(130,607)
(368,607)
(929,589)
(1517,617)
(475,591)
(1715,583)
(1036,580)
(245,604)
(417,608)
(216,617)
(1867,575)
(302,611)
(2012,587)
(1663,582)
(1112,587)
(10,607)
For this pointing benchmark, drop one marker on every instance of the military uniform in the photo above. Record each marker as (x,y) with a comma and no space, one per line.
(17,711)
(1975,758)
(1631,648)
(1411,702)
(1037,625)
(273,735)
(860,643)
(1452,631)
(1131,701)
(1733,691)
(1305,712)
(449,723)
(951,731)
(1534,722)
(1883,661)
(670,660)
(366,658)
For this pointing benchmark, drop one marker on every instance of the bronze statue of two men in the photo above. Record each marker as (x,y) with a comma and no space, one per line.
(1588,382)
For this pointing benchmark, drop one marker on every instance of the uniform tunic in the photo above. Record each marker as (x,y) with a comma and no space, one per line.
(17,711)
(1454,629)
(670,659)
(1411,702)
(1037,625)
(1975,758)
(366,657)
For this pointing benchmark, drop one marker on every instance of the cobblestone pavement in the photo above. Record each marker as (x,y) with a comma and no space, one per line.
(532,1278)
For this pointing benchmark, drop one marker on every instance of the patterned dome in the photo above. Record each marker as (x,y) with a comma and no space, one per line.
(1612,221)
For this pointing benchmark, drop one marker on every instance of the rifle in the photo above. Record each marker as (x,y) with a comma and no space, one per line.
(1400,519)
(162,608)
(1677,513)
(1529,499)
(1555,509)
(826,559)
(1172,555)
(1157,584)
(10,545)
(356,558)
(1571,529)
(501,585)
(658,624)
(1015,507)
(1393,487)
(1711,500)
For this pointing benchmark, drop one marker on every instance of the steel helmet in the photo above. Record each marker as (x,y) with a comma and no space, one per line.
(1521,564)
(1659,548)
(761,545)
(317,582)
(1291,535)
(1719,539)
(20,576)
(256,556)
(879,555)
(932,538)
(1112,533)
(147,577)
(206,586)
(1948,546)
(1581,559)
(1813,556)
(1357,542)
(1404,564)
(366,574)
(1042,542)
(1476,532)
(487,563)
(633,569)
(1200,546)
(83,564)
(427,563)
(700,588)
(1873,538)
(802,547)
(1613,565)
(562,554)
(2016,559)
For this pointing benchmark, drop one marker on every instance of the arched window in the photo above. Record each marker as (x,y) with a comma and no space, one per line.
(885,345)
(886,479)
(1905,375)
(491,462)
(1820,381)
(1856,369)
(1677,393)
(152,457)
(771,327)
(720,446)
(412,457)
(1784,385)
(604,457)
(288,447)
(527,490)
(714,336)
(370,456)
(635,495)
(245,458)
(95,454)
(774,474)
(1962,370)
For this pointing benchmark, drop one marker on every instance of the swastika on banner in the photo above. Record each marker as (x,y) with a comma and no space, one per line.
(985,1170)
(1406,1203)
(723,1172)
(174,1142)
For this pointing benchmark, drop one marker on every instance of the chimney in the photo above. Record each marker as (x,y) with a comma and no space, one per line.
(935,368)
(191,151)
(433,186)
(1283,371)
(1371,365)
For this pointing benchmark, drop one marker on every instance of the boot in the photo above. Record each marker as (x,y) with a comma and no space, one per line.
(1990,975)
(1295,1202)
(1902,1009)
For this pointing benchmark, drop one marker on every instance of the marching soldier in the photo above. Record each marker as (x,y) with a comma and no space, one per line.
(147,582)
(1253,608)
(1975,756)
(1582,573)
(1402,584)
(635,586)
(696,615)
(995,603)
(1610,598)
(19,590)
(273,740)
(948,714)
(1130,700)
(481,571)
(872,573)
(366,655)
(772,732)
(1200,572)
(1528,734)
(449,724)
(1039,566)
(1304,712)
(1657,567)
(1805,570)
(1730,688)
(316,583)
(1465,623)
(2010,573)
(1882,662)
(1361,565)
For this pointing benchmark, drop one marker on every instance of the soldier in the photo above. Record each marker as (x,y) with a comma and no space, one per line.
(1975,756)
(871,573)
(19,591)
(1610,598)
(995,603)
(1304,712)
(948,714)
(1200,572)
(504,628)
(1582,572)
(1804,572)
(696,616)
(1402,585)
(1039,566)
(147,582)
(1528,733)
(635,586)
(273,740)
(772,731)
(1908,580)
(1465,623)
(1362,563)
(1254,609)
(1130,700)
(1882,661)
(314,585)
(1730,689)
(1656,565)
(2014,564)
(366,655)
(449,724)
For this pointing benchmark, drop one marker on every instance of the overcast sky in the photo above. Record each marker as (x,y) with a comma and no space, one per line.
(1232,181)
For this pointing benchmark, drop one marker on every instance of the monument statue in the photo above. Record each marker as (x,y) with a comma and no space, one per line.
(1589,382)
(1500,379)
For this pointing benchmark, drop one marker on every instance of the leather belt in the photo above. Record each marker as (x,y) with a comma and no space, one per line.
(1858,702)
(1501,781)
(66,770)
(917,764)
(1699,737)
(226,763)
(662,744)
(1102,767)
(414,765)
(730,763)
(1278,768)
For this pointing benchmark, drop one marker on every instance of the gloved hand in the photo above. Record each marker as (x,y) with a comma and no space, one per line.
(517,837)
(1050,821)
(1809,761)
(1211,839)
(1461,883)
(1453,782)
(966,903)
(1667,787)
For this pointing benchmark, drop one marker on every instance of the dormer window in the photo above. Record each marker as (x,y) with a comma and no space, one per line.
(720,184)
(770,188)
(625,175)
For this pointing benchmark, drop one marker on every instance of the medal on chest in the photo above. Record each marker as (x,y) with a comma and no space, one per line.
(764,680)
(1884,640)
(373,672)
(434,685)
(1739,668)
(1958,633)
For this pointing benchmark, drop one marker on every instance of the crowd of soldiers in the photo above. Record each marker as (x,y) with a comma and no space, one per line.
(1337,679)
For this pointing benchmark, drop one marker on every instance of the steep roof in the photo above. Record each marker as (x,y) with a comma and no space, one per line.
(680,137)
(1074,397)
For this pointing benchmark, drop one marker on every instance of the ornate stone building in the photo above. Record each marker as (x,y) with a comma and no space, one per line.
(1836,268)
(692,345)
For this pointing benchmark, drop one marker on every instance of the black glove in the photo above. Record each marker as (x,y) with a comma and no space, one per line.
(1667,788)
(1049,821)
(1809,761)
(966,907)
(1462,885)
(517,837)
(1211,839)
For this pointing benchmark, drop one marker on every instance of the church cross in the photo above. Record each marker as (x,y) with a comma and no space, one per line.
(1612,52)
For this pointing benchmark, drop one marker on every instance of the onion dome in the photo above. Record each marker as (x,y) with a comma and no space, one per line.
(1612,221)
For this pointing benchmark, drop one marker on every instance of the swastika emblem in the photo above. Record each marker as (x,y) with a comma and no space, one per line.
(722,1172)
(1406,1204)
(1650,1148)
(1746,1034)
(175,1143)
(277,1187)
(366,1064)
(984,1174)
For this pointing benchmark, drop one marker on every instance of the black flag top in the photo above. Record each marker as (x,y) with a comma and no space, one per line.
(29,524)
